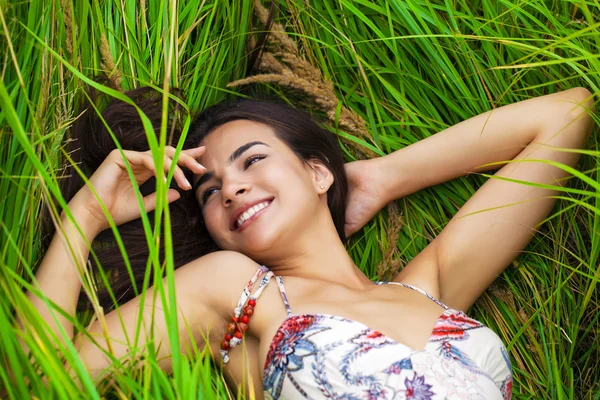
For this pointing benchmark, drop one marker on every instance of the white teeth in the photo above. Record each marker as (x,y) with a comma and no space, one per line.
(250,212)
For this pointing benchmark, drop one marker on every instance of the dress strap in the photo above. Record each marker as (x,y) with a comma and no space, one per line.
(239,323)
(247,293)
(246,303)
(430,297)
(286,303)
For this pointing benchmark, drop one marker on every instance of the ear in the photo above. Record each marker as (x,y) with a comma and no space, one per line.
(322,176)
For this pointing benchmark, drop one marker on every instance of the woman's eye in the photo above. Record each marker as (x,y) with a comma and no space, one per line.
(252,159)
(207,194)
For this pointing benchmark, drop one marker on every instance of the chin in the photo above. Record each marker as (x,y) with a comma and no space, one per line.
(252,242)
(267,242)
(259,245)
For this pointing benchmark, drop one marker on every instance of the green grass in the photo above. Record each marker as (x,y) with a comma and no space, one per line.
(409,68)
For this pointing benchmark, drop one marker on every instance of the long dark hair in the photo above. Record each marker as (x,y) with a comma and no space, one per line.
(298,130)
(90,143)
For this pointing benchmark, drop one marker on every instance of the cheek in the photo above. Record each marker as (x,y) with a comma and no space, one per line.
(214,224)
(283,178)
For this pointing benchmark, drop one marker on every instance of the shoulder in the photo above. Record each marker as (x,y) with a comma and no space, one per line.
(423,271)
(223,262)
(218,278)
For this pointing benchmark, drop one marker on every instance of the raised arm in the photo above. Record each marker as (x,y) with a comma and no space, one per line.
(494,226)
(495,136)
(59,276)
(203,289)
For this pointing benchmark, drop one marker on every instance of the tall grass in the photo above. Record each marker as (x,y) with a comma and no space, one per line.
(409,68)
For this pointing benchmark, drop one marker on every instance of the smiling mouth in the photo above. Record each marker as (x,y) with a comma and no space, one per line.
(248,216)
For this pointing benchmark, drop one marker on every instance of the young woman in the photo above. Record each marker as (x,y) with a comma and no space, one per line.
(276,198)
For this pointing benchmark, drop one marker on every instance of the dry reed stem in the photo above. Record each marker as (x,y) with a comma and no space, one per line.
(277,35)
(44,89)
(507,297)
(282,65)
(389,267)
(69,28)
(108,64)
(325,99)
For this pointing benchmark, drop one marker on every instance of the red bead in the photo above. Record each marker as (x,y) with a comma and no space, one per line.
(230,327)
(243,326)
(245,319)
(252,302)
(225,345)
(228,337)
(238,335)
(235,319)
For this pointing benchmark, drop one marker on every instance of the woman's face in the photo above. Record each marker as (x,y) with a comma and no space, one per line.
(257,195)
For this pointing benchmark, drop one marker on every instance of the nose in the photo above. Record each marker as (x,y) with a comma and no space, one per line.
(233,190)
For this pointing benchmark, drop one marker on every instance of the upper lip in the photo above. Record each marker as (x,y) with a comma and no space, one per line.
(241,209)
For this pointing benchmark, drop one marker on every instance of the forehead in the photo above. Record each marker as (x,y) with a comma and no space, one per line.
(233,134)
(225,139)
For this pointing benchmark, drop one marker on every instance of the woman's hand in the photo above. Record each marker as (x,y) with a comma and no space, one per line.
(113,185)
(366,193)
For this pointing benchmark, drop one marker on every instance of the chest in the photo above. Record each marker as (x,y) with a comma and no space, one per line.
(397,314)
(329,338)
(320,355)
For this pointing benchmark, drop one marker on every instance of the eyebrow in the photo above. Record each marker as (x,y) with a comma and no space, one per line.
(234,156)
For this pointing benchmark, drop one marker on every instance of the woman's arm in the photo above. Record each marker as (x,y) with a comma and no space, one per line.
(59,274)
(204,289)
(494,136)
(202,298)
(494,226)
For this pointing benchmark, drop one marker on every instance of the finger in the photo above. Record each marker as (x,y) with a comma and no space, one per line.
(149,201)
(191,163)
(137,159)
(177,174)
(172,195)
(147,161)
(188,158)
(196,151)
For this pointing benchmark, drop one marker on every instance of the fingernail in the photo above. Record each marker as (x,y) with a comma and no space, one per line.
(187,183)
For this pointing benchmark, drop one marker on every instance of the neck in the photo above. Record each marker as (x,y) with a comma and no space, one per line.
(318,254)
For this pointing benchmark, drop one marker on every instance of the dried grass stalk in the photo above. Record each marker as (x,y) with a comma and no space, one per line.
(108,64)
(281,65)
(389,266)
(69,27)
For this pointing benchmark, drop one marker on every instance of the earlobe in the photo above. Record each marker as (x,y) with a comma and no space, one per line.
(323,178)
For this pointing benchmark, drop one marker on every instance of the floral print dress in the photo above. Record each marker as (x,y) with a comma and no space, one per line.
(319,356)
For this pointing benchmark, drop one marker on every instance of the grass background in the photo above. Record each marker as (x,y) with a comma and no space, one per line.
(408,68)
